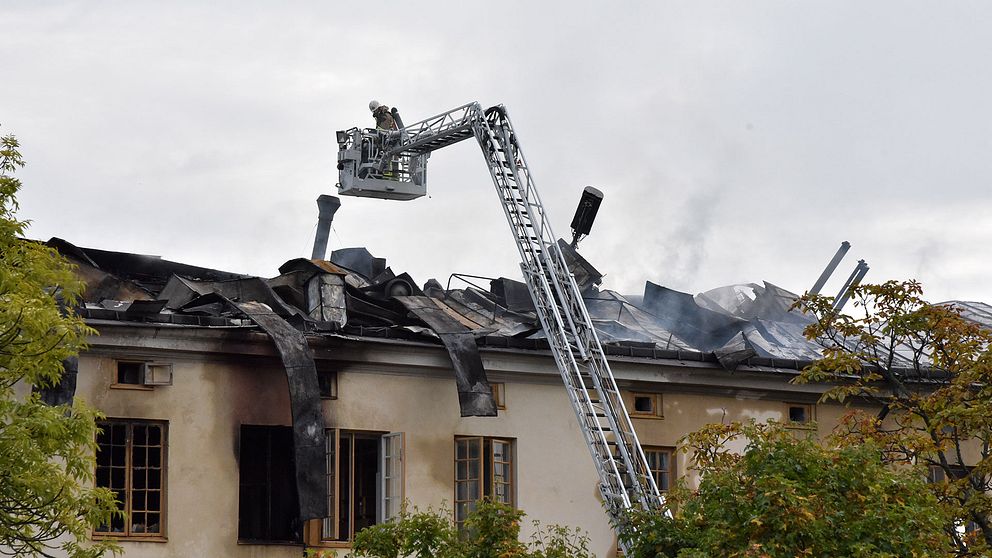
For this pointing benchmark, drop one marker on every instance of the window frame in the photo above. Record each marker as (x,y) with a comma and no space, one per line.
(486,478)
(808,424)
(116,382)
(672,471)
(148,379)
(657,404)
(129,467)
(330,379)
(499,394)
(315,530)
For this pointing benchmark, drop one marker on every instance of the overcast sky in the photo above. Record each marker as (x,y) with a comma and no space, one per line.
(734,141)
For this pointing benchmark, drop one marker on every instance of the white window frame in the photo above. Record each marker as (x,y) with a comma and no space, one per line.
(390,489)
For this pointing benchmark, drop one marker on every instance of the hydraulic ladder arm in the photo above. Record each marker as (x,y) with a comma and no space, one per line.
(625,479)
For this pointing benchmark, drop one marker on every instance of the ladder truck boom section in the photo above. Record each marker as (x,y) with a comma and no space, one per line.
(392,165)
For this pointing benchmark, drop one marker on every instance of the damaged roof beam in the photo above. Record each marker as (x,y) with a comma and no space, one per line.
(829,270)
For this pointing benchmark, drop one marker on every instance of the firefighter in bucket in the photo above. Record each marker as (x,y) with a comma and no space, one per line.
(384,124)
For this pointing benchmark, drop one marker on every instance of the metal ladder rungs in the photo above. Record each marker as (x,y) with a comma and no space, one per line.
(570,331)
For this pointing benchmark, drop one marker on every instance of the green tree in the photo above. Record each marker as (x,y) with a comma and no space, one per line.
(492,530)
(47,501)
(784,497)
(929,371)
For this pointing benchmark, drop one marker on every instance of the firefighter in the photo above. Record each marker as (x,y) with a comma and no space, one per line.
(384,123)
(383,119)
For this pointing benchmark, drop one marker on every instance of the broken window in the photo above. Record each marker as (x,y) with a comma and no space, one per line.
(130,461)
(268,508)
(647,405)
(484,467)
(364,482)
(661,463)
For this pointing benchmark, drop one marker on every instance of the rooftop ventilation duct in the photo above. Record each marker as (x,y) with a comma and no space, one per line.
(327,207)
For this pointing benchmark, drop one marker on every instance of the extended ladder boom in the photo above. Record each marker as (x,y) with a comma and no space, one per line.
(625,478)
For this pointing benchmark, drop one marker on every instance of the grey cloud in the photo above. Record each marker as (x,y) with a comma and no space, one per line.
(795,126)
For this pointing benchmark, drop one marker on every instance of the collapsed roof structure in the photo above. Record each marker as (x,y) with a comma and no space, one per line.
(356,293)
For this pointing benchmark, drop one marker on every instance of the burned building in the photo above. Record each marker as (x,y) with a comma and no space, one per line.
(247,416)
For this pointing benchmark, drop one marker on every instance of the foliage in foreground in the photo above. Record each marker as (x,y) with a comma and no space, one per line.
(491,531)
(929,370)
(785,497)
(46,453)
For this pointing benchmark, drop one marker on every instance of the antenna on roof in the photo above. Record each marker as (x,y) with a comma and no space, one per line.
(855,279)
(585,214)
(829,270)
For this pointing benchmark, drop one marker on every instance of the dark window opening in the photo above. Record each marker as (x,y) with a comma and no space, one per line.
(647,405)
(130,373)
(268,505)
(644,404)
(327,381)
(799,413)
(363,454)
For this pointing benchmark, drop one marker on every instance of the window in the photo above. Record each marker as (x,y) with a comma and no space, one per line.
(364,483)
(131,373)
(800,415)
(143,374)
(661,462)
(936,475)
(268,508)
(130,461)
(484,467)
(327,381)
(499,394)
(647,405)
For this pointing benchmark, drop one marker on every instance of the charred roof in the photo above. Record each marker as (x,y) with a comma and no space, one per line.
(357,293)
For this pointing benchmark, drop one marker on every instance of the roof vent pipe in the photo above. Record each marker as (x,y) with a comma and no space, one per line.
(327,206)
(829,270)
(855,279)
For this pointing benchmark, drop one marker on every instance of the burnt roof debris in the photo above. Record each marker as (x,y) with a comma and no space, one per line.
(587,277)
(512,295)
(179,293)
(475,397)
(678,312)
(360,261)
(356,293)
(750,300)
(734,352)
(149,272)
